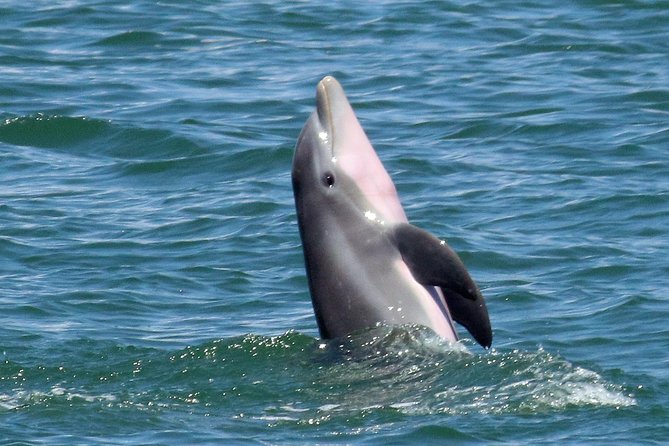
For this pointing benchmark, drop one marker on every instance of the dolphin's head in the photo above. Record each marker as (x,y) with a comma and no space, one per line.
(333,150)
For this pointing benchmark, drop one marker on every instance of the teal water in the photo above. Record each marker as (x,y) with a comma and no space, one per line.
(153,289)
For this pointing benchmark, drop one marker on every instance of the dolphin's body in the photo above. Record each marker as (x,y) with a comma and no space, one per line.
(365,263)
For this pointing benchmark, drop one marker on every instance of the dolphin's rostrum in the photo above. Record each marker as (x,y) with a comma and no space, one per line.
(365,263)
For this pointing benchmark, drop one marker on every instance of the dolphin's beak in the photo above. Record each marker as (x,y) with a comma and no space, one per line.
(338,121)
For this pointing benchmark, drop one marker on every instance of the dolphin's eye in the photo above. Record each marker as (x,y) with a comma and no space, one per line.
(328,179)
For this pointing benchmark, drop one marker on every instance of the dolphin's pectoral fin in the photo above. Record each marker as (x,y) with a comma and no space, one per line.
(433,262)
(472,314)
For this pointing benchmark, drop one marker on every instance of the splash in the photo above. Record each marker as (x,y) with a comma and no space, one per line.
(410,371)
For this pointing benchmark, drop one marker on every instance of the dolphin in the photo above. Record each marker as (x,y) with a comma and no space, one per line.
(366,264)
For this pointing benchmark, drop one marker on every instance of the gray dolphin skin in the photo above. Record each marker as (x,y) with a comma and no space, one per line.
(365,263)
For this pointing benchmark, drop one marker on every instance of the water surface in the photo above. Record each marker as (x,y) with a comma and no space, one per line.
(153,290)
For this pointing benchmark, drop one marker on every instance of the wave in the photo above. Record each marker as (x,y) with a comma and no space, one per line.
(295,378)
(87,136)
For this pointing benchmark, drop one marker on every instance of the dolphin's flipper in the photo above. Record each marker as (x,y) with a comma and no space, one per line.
(432,262)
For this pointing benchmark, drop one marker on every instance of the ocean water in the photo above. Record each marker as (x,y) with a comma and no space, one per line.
(152,288)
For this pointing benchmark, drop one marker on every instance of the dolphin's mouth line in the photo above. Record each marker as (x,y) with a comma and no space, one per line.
(326,109)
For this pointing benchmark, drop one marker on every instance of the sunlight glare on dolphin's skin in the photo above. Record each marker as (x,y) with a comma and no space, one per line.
(371,216)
